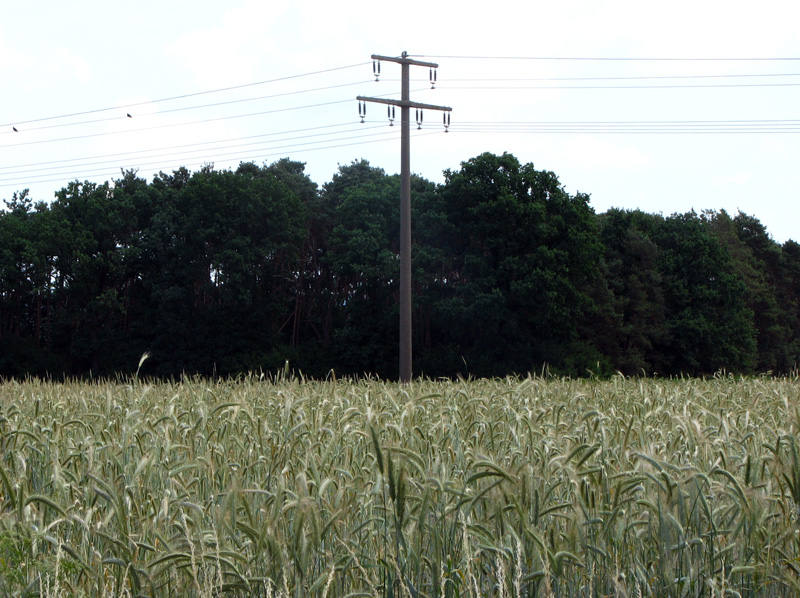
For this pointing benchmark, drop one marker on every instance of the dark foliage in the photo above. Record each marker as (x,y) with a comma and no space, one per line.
(223,272)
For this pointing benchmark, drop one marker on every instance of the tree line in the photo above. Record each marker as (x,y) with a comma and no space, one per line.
(219,272)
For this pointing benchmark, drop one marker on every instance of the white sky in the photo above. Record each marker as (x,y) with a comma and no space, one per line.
(61,58)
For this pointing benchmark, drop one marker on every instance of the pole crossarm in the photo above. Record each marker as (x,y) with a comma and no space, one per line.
(405,60)
(404,104)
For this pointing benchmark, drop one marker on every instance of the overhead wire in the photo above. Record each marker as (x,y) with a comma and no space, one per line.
(242,151)
(187,123)
(169,147)
(185,153)
(178,124)
(290,77)
(185,108)
(206,149)
(624,78)
(759,126)
(631,127)
(242,100)
(388,136)
(701,86)
(186,95)
(615,58)
(516,127)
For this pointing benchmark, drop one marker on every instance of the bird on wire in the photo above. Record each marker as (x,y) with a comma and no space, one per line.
(15,129)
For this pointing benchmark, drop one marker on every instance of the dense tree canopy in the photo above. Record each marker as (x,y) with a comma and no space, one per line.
(222,272)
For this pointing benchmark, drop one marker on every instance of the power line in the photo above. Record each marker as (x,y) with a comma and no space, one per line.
(349,84)
(539,127)
(171,147)
(212,105)
(211,154)
(633,127)
(110,171)
(636,122)
(257,83)
(701,86)
(752,125)
(613,59)
(625,78)
(182,124)
(213,149)
(627,131)
(216,149)
(186,95)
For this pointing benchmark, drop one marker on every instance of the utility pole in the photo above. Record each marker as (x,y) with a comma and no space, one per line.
(405,105)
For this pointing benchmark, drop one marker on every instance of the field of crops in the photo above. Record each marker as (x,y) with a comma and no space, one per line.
(507,488)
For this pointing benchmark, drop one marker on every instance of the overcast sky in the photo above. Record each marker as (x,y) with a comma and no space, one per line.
(663,136)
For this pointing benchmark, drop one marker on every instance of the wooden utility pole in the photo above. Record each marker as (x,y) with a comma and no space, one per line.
(405,105)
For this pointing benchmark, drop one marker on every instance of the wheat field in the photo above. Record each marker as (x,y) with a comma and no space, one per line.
(516,487)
